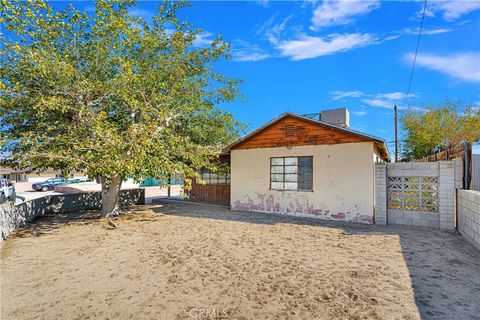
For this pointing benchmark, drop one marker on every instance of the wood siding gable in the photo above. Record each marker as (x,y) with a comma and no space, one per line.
(279,134)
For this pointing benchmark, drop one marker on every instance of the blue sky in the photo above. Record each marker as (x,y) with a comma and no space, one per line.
(308,56)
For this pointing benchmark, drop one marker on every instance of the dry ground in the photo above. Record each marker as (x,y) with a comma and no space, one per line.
(184,261)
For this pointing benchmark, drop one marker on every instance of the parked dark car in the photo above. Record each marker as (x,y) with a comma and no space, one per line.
(77,180)
(7,190)
(48,184)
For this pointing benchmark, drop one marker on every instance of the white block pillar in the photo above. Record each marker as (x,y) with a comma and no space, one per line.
(446,195)
(380,193)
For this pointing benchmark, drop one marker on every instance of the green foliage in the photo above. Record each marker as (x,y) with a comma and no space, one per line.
(110,93)
(437,128)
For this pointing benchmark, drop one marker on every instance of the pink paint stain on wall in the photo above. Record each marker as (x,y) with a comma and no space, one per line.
(265,203)
(270,204)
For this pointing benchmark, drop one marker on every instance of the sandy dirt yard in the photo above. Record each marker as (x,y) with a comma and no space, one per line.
(183,261)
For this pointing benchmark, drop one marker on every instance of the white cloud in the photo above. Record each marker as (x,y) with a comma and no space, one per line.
(452,10)
(203,39)
(414,31)
(263,3)
(386,100)
(382,100)
(425,32)
(462,66)
(360,113)
(273,31)
(338,95)
(391,95)
(379,103)
(246,56)
(244,51)
(306,47)
(331,12)
(140,13)
(434,31)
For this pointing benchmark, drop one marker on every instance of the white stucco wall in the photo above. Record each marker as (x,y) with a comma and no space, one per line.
(343,182)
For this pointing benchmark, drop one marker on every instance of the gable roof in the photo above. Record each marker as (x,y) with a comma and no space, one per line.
(380,143)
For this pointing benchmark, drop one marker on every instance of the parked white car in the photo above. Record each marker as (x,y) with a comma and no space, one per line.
(7,190)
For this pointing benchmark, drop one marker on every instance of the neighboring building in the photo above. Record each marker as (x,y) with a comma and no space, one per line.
(301,166)
(476,172)
(26,175)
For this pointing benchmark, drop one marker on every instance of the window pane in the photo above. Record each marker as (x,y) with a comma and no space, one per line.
(291,177)
(291,186)
(305,177)
(291,161)
(305,169)
(276,177)
(277,161)
(277,169)
(277,185)
(291,169)
(305,161)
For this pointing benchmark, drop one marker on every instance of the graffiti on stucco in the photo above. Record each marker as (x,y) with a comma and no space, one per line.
(299,207)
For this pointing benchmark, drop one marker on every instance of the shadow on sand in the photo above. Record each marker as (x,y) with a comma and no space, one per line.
(49,223)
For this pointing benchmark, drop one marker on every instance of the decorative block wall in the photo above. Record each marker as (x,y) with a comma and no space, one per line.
(420,194)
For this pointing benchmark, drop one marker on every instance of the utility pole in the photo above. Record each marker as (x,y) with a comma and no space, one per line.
(396,132)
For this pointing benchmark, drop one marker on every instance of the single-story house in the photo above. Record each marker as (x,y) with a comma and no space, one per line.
(302,166)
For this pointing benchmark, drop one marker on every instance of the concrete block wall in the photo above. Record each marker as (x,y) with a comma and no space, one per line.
(380,193)
(406,217)
(469,216)
(447,176)
(413,169)
(413,218)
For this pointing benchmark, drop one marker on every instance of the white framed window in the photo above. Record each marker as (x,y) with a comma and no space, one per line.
(291,173)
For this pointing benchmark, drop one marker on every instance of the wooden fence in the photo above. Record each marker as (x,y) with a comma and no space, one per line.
(462,151)
(210,193)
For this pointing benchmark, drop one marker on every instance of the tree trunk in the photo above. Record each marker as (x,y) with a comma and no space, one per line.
(111,194)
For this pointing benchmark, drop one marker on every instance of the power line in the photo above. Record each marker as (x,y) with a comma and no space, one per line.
(416,53)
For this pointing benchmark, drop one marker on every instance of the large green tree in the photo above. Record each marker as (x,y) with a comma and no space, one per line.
(427,131)
(110,93)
